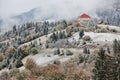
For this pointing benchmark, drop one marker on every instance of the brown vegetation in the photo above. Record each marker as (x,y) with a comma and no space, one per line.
(1,57)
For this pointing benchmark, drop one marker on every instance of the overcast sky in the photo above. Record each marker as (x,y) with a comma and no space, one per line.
(13,7)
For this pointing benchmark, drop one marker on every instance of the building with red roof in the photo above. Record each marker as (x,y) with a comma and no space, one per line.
(84,18)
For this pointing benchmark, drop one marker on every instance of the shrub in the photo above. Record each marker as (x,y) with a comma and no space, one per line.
(22,75)
(86,38)
(69,23)
(13,72)
(75,29)
(76,24)
(62,53)
(30,63)
(36,71)
(69,29)
(84,43)
(59,27)
(1,57)
(80,59)
(4,64)
(29,38)
(18,63)
(24,51)
(57,76)
(57,62)
(68,53)
(101,30)
(34,51)
(80,76)
(96,51)
(4,75)
(10,51)
(69,34)
(113,30)
(57,52)
(49,70)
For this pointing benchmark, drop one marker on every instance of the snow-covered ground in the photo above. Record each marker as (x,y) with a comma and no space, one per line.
(102,36)
(97,37)
(110,27)
(42,58)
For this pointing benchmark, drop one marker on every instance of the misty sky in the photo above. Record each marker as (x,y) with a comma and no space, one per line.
(13,7)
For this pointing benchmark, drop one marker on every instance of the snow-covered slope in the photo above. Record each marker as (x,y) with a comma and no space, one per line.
(110,27)
(97,37)
(42,58)
(102,36)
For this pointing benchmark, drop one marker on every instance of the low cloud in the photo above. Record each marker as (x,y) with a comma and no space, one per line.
(56,9)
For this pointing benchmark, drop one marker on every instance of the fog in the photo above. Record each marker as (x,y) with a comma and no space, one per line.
(60,9)
(13,7)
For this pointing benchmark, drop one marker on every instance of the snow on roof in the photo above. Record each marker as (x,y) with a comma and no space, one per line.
(84,16)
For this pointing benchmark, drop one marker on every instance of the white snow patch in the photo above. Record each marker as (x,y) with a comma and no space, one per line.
(110,27)
(96,36)
(102,36)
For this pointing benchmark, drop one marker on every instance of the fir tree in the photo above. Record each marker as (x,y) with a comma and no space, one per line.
(81,33)
(64,24)
(100,66)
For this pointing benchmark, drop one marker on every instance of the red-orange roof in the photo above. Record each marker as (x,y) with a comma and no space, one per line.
(84,16)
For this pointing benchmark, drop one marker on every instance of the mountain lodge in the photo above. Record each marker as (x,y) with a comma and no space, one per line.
(84,18)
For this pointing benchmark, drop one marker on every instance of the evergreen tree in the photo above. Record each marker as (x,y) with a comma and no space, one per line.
(14,29)
(81,33)
(115,46)
(69,34)
(64,24)
(60,35)
(57,52)
(36,28)
(108,50)
(100,66)
(47,45)
(85,50)
(54,37)
(88,52)
(107,67)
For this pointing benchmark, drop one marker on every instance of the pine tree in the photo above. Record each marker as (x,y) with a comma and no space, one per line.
(36,28)
(57,52)
(14,29)
(64,24)
(88,51)
(115,46)
(54,37)
(108,50)
(81,33)
(85,50)
(60,35)
(100,66)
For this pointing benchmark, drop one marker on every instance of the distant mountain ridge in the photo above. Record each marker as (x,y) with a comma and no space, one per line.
(33,15)
(36,14)
(53,13)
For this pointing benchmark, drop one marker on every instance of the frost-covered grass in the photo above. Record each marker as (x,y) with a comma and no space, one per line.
(97,37)
(43,59)
(110,27)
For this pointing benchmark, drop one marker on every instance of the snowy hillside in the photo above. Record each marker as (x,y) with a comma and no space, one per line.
(97,37)
(110,27)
